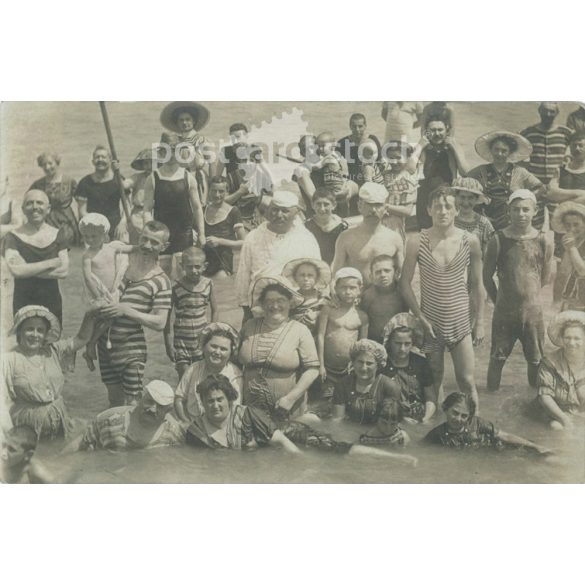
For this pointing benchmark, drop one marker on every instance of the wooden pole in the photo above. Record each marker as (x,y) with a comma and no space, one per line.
(118,177)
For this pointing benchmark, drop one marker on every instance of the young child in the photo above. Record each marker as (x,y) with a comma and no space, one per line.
(469,194)
(18,461)
(522,256)
(340,324)
(401,186)
(191,297)
(311,278)
(325,225)
(331,171)
(446,257)
(382,299)
(569,287)
(103,266)
(224,230)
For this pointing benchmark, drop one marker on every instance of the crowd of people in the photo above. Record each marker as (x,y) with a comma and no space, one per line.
(333,327)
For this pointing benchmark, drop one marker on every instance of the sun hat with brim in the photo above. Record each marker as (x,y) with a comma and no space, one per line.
(523,146)
(469,185)
(161,392)
(199,113)
(218,327)
(405,320)
(567,207)
(560,321)
(265,281)
(29,311)
(143,158)
(323,271)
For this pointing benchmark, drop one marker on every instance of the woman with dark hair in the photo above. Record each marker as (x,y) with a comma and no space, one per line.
(463,429)
(278,353)
(225,424)
(60,190)
(502,175)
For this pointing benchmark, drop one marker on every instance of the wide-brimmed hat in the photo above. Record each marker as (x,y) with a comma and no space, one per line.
(161,392)
(405,320)
(559,322)
(470,185)
(199,113)
(265,281)
(562,210)
(218,327)
(523,146)
(142,158)
(323,271)
(29,311)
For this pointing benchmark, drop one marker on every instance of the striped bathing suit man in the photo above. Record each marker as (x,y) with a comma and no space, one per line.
(548,150)
(444,295)
(190,318)
(124,363)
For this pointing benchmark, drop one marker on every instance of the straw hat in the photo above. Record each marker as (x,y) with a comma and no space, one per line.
(29,311)
(562,210)
(559,322)
(323,271)
(523,146)
(265,281)
(405,320)
(143,157)
(161,392)
(199,113)
(470,185)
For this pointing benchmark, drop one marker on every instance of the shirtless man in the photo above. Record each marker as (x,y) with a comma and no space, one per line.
(358,246)
(444,253)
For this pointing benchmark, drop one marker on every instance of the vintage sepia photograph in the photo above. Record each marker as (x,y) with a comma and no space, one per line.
(316,292)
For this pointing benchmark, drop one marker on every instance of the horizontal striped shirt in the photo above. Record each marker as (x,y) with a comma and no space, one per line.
(145,296)
(548,150)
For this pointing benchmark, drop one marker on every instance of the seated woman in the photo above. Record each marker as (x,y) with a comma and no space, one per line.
(463,429)
(408,370)
(218,342)
(278,353)
(561,375)
(368,397)
(228,425)
(33,372)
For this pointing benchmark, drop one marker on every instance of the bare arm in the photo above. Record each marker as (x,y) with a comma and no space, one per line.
(234,197)
(511,439)
(548,268)
(407,274)
(180,409)
(85,331)
(62,271)
(417,155)
(489,268)
(340,258)
(155,320)
(400,210)
(280,440)
(552,408)
(197,212)
(82,206)
(459,155)
(213,304)
(322,329)
(384,110)
(477,289)
(430,403)
(363,332)
(21,269)
(89,277)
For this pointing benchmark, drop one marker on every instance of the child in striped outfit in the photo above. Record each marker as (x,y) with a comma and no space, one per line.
(192,296)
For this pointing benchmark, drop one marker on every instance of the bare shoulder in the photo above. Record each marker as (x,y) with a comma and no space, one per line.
(362,315)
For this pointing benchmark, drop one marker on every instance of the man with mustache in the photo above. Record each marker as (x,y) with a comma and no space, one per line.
(358,246)
(99,191)
(147,424)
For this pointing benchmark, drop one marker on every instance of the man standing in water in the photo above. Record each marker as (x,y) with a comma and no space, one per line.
(444,254)
(358,246)
(273,244)
(99,192)
(145,301)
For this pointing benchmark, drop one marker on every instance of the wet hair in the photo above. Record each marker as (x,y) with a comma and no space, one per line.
(101,147)
(384,258)
(510,142)
(324,193)
(45,156)
(157,226)
(574,323)
(194,251)
(357,116)
(218,181)
(456,398)
(441,192)
(437,117)
(237,127)
(25,435)
(275,287)
(217,382)
(575,137)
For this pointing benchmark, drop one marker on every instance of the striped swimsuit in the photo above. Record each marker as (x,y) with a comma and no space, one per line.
(190,318)
(444,294)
